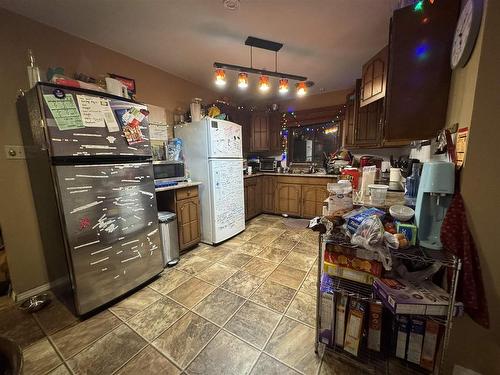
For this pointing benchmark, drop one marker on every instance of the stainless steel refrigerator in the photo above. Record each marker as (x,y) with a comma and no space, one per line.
(213,154)
(94,193)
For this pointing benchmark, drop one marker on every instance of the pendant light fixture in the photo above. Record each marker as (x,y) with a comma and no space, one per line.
(220,77)
(301,89)
(264,84)
(283,86)
(243,80)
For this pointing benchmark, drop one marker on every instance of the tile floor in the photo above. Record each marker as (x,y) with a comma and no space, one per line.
(244,307)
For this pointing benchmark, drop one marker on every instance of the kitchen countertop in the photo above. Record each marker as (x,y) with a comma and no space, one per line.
(289,175)
(180,185)
(392,198)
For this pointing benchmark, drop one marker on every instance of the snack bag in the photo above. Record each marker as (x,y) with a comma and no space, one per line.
(370,235)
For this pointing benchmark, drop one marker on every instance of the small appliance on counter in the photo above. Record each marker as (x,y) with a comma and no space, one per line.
(435,192)
(254,163)
(168,171)
(367,160)
(169,237)
(268,165)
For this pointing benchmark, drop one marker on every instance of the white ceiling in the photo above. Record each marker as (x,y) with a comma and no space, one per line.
(325,40)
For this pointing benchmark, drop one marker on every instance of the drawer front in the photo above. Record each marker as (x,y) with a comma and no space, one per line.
(186,193)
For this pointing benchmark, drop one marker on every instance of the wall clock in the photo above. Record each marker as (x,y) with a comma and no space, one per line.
(466,32)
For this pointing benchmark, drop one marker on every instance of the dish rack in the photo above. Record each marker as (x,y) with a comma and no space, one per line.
(375,362)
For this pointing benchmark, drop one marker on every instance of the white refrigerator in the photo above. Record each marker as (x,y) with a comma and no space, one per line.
(213,155)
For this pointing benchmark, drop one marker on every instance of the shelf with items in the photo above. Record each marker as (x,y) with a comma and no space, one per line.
(332,289)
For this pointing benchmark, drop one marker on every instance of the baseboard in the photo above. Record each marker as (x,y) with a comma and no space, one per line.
(17,297)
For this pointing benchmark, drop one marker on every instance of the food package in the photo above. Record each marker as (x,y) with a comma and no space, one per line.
(349,261)
(356,217)
(370,235)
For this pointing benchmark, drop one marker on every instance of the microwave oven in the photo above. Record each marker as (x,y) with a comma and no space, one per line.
(169,171)
(268,164)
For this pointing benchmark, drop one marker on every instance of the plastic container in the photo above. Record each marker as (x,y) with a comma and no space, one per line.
(340,198)
(378,194)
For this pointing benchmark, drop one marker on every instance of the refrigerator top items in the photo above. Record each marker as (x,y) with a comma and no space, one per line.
(213,154)
(92,180)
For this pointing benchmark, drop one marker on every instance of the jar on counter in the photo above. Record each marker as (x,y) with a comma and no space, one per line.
(340,198)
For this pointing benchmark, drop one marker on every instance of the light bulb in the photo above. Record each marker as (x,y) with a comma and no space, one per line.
(283,86)
(220,77)
(242,80)
(301,89)
(264,85)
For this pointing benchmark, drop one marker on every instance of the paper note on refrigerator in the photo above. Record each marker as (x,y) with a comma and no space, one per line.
(158,132)
(90,108)
(64,112)
(109,116)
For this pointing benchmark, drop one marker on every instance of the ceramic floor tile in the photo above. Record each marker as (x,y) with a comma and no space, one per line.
(108,353)
(300,261)
(288,276)
(284,242)
(149,362)
(308,248)
(217,273)
(234,242)
(273,295)
(185,338)
(191,292)
(55,317)
(293,343)
(332,365)
(310,284)
(153,320)
(40,358)
(169,281)
(214,253)
(193,265)
(219,306)
(253,323)
(224,355)
(135,303)
(259,267)
(274,254)
(60,370)
(242,283)
(235,259)
(303,308)
(250,248)
(293,234)
(262,239)
(19,326)
(269,366)
(72,339)
(248,233)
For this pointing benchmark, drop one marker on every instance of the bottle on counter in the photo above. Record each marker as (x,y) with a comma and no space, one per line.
(33,71)
(411,187)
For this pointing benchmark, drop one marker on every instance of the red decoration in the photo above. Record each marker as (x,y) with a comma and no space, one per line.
(84,223)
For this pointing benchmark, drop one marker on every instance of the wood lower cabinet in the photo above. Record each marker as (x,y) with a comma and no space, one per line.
(288,199)
(312,200)
(268,193)
(188,213)
(253,197)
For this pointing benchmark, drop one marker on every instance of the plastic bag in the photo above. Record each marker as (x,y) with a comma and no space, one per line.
(370,235)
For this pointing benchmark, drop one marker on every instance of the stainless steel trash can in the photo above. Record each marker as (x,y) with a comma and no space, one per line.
(169,237)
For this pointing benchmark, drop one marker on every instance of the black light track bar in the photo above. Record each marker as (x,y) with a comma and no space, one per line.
(264,44)
(246,69)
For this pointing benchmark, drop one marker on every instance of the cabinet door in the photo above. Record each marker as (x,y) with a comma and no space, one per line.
(312,200)
(275,132)
(374,77)
(260,132)
(188,222)
(419,72)
(350,118)
(244,119)
(288,199)
(250,198)
(368,128)
(268,192)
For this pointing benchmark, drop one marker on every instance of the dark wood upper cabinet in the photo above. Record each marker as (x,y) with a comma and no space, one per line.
(259,139)
(275,132)
(350,118)
(419,71)
(374,78)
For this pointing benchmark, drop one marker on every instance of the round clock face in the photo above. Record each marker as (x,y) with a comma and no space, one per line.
(466,33)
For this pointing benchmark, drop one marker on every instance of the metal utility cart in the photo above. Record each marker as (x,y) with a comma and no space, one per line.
(371,361)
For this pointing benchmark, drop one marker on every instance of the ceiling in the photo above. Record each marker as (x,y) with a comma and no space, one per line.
(325,40)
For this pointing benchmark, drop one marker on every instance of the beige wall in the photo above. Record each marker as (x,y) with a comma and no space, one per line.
(55,48)
(475,102)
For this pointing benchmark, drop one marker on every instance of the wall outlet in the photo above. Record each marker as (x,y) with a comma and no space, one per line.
(14,152)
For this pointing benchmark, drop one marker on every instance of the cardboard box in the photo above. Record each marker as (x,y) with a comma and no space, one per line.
(350,261)
(347,273)
(415,340)
(354,326)
(375,326)
(430,345)
(327,318)
(403,327)
(409,230)
(341,308)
